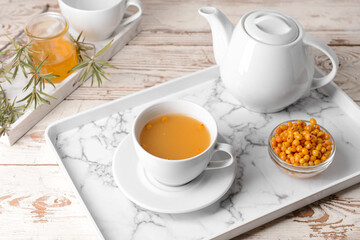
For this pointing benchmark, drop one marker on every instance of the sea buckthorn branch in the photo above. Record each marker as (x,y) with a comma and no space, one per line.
(93,67)
(22,59)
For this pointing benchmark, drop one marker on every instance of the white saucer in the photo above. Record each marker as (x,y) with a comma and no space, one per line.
(146,192)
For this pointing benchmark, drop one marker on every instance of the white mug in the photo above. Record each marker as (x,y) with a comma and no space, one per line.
(179,172)
(98,19)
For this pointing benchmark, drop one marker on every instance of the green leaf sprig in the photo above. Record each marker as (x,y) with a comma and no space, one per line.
(9,112)
(22,59)
(92,65)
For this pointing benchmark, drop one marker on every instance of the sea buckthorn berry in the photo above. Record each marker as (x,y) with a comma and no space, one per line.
(305,132)
(296,142)
(298,148)
(306,158)
(299,122)
(327,136)
(318,147)
(329,148)
(312,121)
(328,142)
(309,128)
(286,144)
(298,137)
(306,164)
(321,133)
(305,151)
(277,151)
(317,162)
(278,139)
(278,130)
(289,124)
(283,127)
(165,118)
(315,153)
(311,163)
(323,150)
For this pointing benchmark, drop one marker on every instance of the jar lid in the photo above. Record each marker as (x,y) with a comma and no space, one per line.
(271,27)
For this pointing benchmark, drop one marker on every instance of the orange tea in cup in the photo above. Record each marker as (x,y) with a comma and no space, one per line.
(48,33)
(174,137)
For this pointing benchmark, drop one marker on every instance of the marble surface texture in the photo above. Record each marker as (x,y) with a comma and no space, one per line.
(259,187)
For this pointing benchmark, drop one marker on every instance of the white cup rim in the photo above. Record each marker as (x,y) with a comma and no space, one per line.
(211,118)
(92,11)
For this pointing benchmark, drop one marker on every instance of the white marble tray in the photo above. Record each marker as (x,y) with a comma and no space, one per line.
(84,145)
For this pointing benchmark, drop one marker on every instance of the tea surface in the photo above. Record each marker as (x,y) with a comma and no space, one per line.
(174,137)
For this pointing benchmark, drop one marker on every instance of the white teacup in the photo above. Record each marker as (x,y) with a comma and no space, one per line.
(98,19)
(179,172)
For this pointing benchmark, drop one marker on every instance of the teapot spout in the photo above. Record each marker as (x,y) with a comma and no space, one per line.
(221,29)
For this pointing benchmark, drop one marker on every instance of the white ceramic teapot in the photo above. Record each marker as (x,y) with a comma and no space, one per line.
(266,61)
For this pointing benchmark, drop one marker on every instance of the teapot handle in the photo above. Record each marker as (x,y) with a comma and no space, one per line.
(316,43)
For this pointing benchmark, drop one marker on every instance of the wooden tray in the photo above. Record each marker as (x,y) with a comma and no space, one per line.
(84,145)
(120,38)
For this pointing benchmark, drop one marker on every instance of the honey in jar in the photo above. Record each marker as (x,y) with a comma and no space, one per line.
(48,33)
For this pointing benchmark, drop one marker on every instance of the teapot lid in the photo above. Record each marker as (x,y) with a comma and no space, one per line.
(271,27)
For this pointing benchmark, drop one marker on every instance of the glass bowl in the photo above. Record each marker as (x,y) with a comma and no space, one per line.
(300,171)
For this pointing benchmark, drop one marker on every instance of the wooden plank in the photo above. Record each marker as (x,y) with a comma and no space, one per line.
(162,63)
(37,203)
(334,217)
(170,23)
(161,37)
(166,24)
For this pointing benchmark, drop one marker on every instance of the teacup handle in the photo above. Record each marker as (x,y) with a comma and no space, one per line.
(223,147)
(316,43)
(130,19)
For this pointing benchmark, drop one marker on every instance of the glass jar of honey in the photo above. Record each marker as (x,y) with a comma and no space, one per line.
(48,33)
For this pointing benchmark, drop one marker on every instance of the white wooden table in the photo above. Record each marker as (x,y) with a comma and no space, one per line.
(35,199)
